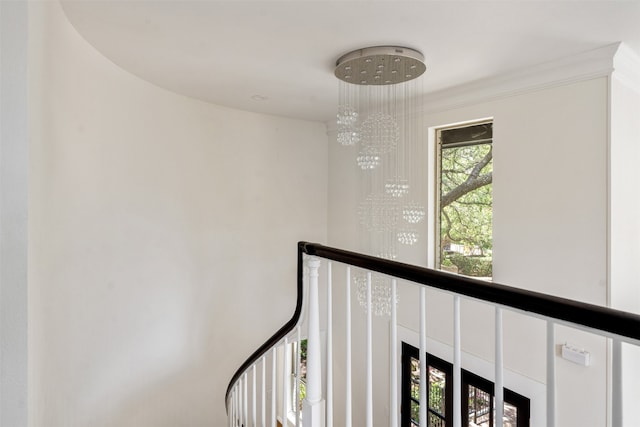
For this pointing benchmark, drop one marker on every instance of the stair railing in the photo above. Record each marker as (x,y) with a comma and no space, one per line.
(275,398)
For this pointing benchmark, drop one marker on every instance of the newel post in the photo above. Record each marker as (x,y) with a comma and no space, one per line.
(313,405)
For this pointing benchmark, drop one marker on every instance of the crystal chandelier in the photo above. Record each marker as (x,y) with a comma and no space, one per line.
(380,113)
(380,292)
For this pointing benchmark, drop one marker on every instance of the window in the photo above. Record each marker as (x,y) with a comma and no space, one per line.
(301,370)
(439,396)
(296,387)
(464,197)
(477,396)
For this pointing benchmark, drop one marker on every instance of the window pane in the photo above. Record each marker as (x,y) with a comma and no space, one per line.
(302,372)
(437,384)
(435,421)
(510,415)
(415,390)
(415,412)
(303,359)
(466,174)
(415,379)
(479,407)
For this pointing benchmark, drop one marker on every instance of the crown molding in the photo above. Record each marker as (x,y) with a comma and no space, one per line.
(587,65)
(626,65)
(615,59)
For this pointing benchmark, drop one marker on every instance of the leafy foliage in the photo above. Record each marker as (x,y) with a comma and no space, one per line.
(435,395)
(472,266)
(466,209)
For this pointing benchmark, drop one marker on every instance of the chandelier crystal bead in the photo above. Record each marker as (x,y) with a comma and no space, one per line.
(368,161)
(380,293)
(389,253)
(378,212)
(407,237)
(347,116)
(348,137)
(397,188)
(380,133)
(413,213)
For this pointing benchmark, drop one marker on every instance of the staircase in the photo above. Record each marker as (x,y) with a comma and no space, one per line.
(353,356)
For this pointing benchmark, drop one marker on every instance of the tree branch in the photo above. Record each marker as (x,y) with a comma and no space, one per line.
(473,182)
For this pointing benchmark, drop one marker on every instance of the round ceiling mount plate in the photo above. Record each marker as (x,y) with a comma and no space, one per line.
(380,65)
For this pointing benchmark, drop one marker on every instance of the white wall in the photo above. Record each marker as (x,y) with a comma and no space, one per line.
(13,213)
(550,235)
(162,238)
(625,213)
(549,228)
(625,208)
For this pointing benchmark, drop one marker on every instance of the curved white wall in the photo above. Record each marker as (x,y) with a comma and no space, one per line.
(13,213)
(162,238)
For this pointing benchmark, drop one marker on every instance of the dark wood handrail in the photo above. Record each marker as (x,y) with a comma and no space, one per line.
(615,322)
(275,338)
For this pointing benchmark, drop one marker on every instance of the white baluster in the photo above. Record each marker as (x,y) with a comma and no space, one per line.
(551,374)
(285,380)
(253,398)
(297,379)
(329,397)
(274,353)
(348,419)
(245,401)
(313,403)
(239,400)
(237,416)
(394,413)
(616,381)
(499,387)
(369,390)
(263,395)
(457,365)
(232,397)
(424,372)
(238,411)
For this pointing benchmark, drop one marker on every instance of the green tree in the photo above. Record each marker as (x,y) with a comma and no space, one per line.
(466,208)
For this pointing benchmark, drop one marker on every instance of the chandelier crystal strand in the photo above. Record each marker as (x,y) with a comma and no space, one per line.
(396,183)
(420,149)
(387,104)
(347,116)
(364,178)
(387,138)
(375,115)
(414,210)
(380,292)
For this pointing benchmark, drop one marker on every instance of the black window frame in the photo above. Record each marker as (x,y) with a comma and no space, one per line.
(522,403)
(409,352)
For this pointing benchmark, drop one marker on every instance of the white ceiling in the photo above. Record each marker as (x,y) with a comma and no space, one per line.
(277,57)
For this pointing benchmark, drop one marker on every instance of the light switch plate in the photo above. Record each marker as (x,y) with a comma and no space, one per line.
(576,355)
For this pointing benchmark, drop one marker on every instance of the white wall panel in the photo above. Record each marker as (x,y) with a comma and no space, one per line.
(163,236)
